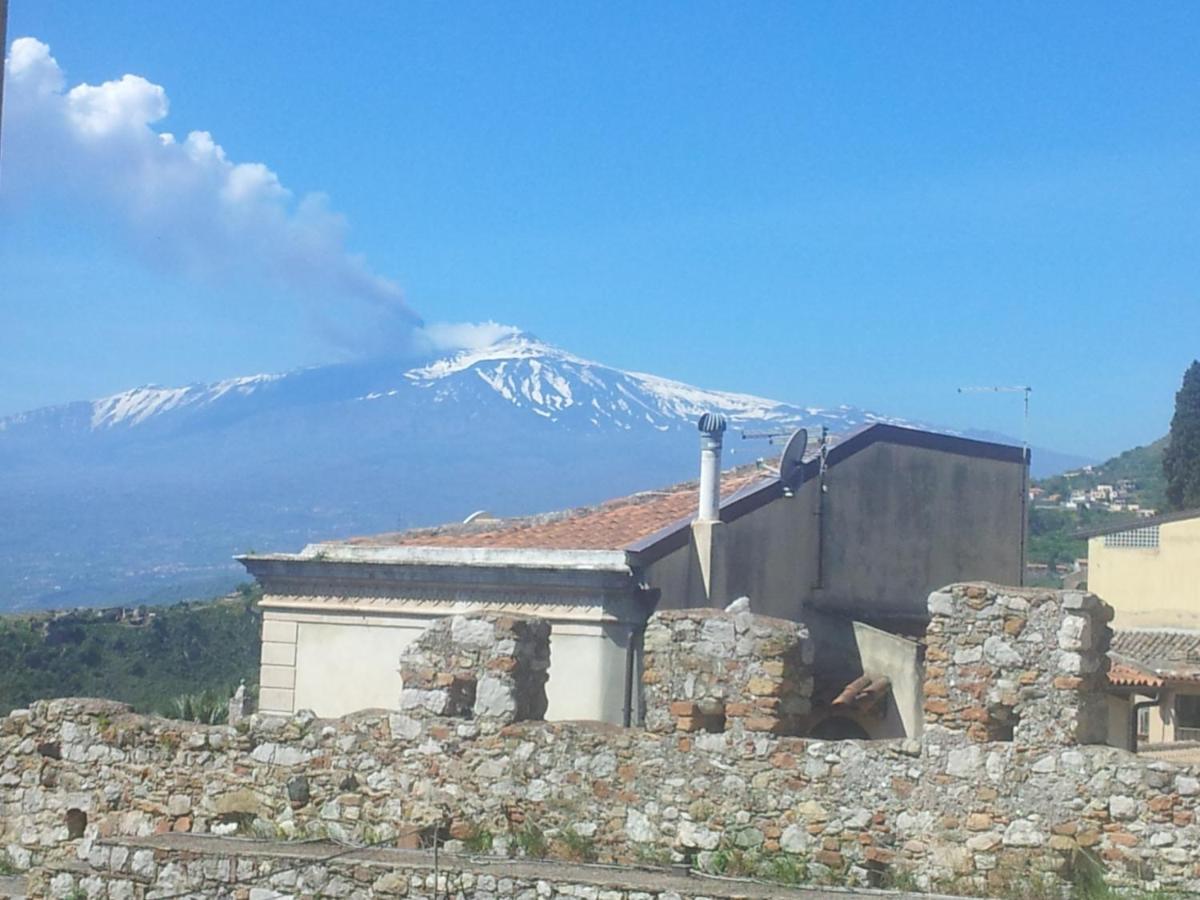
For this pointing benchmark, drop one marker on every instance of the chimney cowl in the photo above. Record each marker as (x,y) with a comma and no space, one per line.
(712,423)
(711,426)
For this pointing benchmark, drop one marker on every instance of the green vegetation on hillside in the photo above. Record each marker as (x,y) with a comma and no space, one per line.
(1051,530)
(153,658)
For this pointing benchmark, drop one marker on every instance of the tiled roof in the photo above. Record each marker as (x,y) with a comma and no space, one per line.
(1174,655)
(612,525)
(1126,675)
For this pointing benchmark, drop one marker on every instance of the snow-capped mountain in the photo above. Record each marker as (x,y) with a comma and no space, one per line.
(519,371)
(149,492)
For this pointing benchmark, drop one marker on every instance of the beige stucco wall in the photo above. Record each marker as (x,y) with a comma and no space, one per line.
(1162,721)
(335,663)
(587,672)
(1151,587)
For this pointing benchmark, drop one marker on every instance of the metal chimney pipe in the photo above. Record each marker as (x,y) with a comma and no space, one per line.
(712,427)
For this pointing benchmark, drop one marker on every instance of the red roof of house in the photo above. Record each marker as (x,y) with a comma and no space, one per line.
(1125,675)
(612,525)
(1150,657)
(628,522)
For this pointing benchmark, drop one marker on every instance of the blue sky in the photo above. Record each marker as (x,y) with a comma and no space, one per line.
(839,203)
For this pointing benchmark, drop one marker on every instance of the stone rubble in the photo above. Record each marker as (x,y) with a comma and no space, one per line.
(707,670)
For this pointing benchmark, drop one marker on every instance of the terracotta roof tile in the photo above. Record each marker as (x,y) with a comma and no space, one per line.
(1126,675)
(1173,655)
(612,525)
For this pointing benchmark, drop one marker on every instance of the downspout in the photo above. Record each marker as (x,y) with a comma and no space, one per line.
(633,673)
(1024,507)
(820,512)
(633,657)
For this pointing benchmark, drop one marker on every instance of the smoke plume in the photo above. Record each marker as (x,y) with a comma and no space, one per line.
(181,201)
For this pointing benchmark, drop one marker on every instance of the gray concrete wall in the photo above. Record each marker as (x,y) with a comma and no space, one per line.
(898,522)
(768,555)
(902,521)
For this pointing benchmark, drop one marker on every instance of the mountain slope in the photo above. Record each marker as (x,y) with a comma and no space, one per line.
(147,494)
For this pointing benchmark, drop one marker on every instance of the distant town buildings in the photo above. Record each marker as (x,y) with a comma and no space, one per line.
(1118,497)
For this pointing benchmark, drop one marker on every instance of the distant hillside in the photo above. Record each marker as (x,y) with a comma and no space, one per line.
(146,657)
(1142,465)
(1051,527)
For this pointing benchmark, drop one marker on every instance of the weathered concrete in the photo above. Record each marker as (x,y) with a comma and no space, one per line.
(895,522)
(901,521)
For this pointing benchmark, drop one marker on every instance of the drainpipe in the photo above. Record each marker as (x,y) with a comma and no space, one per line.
(1024,506)
(634,648)
(819,582)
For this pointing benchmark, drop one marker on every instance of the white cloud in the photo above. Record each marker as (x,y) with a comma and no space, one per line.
(183,203)
(444,336)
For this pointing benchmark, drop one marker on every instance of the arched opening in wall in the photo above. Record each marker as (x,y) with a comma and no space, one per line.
(76,823)
(839,728)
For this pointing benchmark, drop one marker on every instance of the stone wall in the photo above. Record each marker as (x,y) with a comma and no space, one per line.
(950,811)
(707,670)
(1023,665)
(488,667)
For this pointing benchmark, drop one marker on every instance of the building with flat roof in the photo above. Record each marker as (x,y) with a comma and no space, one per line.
(1148,570)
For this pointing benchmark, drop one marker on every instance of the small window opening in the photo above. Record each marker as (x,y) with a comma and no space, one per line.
(76,823)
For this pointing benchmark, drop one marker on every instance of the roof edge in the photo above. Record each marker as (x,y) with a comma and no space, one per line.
(483,557)
(1144,522)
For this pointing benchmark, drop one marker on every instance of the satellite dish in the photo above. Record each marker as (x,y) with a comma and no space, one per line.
(791,464)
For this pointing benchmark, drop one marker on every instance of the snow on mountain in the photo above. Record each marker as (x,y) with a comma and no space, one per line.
(148,493)
(140,404)
(518,370)
(558,385)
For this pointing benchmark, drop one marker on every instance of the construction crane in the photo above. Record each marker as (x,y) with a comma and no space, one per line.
(1007,389)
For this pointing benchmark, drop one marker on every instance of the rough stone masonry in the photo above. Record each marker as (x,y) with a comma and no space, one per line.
(966,807)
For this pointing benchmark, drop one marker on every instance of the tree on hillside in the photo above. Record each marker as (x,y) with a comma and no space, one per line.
(1181,461)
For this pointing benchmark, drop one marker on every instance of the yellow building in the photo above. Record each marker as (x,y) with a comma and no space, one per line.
(1149,572)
